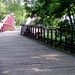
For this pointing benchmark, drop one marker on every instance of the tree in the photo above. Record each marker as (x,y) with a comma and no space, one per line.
(3,10)
(18,9)
(12,6)
(67,8)
(58,8)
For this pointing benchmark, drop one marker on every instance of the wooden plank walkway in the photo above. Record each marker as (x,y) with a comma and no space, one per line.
(22,56)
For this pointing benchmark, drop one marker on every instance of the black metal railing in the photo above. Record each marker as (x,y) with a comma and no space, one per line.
(58,37)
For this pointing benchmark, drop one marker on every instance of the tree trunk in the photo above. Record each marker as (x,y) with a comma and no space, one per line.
(70,17)
(73,16)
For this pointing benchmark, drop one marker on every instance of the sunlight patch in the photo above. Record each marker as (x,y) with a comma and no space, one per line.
(5,72)
(37,69)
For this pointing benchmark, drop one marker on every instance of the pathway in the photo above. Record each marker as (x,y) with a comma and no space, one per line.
(22,56)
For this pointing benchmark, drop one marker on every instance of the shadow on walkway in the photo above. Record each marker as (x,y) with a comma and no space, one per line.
(22,56)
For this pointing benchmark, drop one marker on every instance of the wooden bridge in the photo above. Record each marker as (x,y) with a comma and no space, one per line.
(20,55)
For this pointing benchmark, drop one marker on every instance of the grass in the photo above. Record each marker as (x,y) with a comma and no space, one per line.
(53,37)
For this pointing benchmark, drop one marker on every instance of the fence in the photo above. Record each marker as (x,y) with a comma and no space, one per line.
(58,37)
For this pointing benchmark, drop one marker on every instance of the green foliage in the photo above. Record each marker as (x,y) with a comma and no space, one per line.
(19,12)
(2,10)
(49,11)
(64,24)
(12,6)
(58,8)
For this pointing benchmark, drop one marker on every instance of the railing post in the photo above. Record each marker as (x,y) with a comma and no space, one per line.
(41,33)
(72,41)
(55,37)
(44,35)
(60,36)
(51,36)
(33,32)
(47,36)
(29,31)
(38,34)
(65,39)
